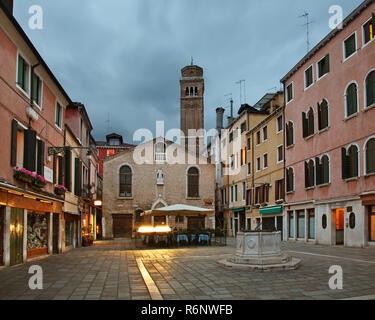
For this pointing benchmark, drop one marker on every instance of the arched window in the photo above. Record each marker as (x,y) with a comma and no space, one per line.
(196,91)
(370,89)
(289,134)
(351,97)
(290,180)
(323,114)
(350,162)
(160,152)
(309,174)
(370,156)
(187,91)
(125,181)
(322,170)
(191,91)
(193,182)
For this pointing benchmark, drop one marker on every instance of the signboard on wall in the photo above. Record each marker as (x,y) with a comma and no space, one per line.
(48,174)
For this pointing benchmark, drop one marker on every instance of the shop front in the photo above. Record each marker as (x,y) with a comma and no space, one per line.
(368,201)
(37,233)
(272,219)
(26,224)
(71,231)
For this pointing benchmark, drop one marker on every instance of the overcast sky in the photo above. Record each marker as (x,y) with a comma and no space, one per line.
(122,58)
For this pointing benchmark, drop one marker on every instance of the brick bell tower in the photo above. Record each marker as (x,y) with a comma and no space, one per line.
(192,104)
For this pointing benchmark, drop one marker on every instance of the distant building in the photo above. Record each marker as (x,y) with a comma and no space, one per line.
(114,144)
(330,137)
(131,188)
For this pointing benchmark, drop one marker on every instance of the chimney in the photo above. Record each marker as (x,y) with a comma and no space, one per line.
(8,4)
(219,118)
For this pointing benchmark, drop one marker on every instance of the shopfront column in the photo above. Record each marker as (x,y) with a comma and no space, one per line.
(306,225)
(7,237)
(50,233)
(61,231)
(25,231)
(295,224)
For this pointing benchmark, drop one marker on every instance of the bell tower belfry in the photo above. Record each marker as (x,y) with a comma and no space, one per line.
(192,101)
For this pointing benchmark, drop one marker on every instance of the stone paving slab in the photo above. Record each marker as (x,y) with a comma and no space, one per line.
(114,271)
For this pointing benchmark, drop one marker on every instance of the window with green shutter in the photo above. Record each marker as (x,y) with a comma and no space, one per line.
(370,89)
(323,114)
(353,162)
(309,77)
(58,115)
(350,46)
(289,92)
(370,156)
(351,100)
(323,66)
(37,90)
(289,134)
(309,174)
(23,74)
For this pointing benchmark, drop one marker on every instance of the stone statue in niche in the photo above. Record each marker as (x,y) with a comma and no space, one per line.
(160,178)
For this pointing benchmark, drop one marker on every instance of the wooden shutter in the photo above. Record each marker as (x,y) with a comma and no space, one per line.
(306,175)
(282,189)
(304,125)
(29,158)
(68,170)
(40,159)
(61,171)
(54,168)
(320,116)
(327,63)
(277,190)
(76,177)
(13,144)
(261,198)
(20,75)
(344,164)
(319,171)
(370,89)
(80,178)
(354,162)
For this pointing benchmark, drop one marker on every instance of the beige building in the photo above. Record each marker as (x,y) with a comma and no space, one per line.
(266,176)
(131,187)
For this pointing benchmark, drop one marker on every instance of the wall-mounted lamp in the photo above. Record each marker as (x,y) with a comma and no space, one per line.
(98,203)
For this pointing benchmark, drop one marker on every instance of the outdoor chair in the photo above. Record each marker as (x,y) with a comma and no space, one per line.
(182,238)
(204,238)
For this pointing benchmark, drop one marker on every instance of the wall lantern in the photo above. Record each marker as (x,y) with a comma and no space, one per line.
(98,203)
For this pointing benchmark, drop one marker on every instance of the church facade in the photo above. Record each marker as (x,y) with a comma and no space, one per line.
(161,173)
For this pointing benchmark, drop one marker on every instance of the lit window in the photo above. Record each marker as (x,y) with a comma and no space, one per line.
(368,29)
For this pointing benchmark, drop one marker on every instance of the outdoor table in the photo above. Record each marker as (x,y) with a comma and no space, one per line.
(182,237)
(203,237)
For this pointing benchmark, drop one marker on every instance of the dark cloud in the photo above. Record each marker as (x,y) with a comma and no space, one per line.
(122,58)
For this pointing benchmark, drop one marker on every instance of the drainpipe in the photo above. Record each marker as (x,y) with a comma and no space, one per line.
(285,231)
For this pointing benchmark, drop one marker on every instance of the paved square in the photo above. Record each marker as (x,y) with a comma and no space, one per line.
(111,270)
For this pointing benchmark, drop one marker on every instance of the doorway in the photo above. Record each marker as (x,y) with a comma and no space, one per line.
(122,225)
(16,236)
(371,224)
(280,226)
(268,224)
(242,221)
(55,233)
(338,218)
(2,214)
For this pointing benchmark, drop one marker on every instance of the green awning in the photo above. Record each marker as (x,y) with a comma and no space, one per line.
(238,210)
(271,210)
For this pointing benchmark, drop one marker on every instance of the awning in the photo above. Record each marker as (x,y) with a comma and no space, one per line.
(271,210)
(178,210)
(238,210)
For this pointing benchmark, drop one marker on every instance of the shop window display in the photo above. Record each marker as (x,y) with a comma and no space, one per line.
(37,231)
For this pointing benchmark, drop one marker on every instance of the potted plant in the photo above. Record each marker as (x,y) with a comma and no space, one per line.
(23,175)
(39,181)
(60,190)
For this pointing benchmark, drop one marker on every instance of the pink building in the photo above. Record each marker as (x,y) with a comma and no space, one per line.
(330,137)
(32,107)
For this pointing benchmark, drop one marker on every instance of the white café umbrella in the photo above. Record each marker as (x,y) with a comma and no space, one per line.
(178,210)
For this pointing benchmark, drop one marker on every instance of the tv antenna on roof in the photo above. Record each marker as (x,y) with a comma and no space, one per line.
(108,121)
(307,24)
(244,87)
